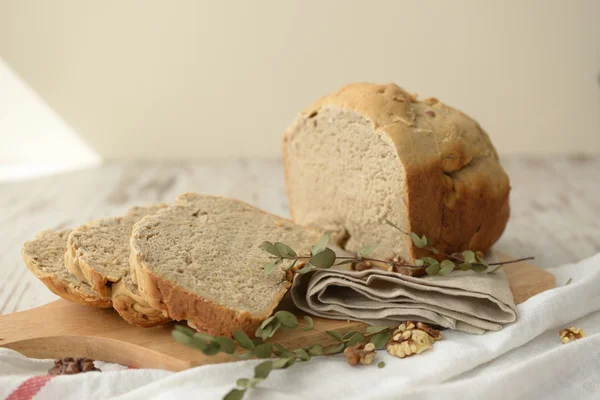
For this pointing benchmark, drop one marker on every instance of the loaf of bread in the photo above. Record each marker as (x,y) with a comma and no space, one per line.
(370,152)
(98,253)
(44,256)
(200,261)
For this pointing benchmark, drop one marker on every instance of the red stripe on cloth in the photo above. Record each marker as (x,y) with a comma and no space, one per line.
(30,388)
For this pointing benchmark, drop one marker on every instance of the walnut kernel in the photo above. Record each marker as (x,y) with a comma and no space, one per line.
(570,334)
(360,353)
(410,338)
(69,366)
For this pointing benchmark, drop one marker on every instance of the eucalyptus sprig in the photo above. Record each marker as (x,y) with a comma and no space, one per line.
(323,257)
(284,358)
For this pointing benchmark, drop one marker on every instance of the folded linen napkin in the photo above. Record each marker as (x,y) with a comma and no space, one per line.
(464,300)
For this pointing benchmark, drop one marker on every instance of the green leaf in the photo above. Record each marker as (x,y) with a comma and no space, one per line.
(335,335)
(306,268)
(465,266)
(356,338)
(375,329)
(204,336)
(310,324)
(469,256)
(243,339)
(324,259)
(269,248)
(263,350)
(266,322)
(390,223)
(254,381)
(447,266)
(263,369)
(185,330)
(235,394)
(419,262)
(495,269)
(432,249)
(365,251)
(271,266)
(433,269)
(316,350)
(242,382)
(320,245)
(481,260)
(226,345)
(429,260)
(302,354)
(283,363)
(568,281)
(212,349)
(287,319)
(246,355)
(292,264)
(336,348)
(281,351)
(479,267)
(420,242)
(381,364)
(284,250)
(381,339)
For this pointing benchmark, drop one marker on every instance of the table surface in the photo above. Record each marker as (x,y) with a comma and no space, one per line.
(555,207)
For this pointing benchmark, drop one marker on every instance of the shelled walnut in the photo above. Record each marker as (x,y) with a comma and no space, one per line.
(570,334)
(69,365)
(360,353)
(410,338)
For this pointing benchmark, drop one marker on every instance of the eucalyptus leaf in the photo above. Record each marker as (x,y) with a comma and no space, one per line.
(263,350)
(254,381)
(226,345)
(365,251)
(308,321)
(306,268)
(246,355)
(242,382)
(283,363)
(381,339)
(381,364)
(316,350)
(181,337)
(375,329)
(335,335)
(356,338)
(569,281)
(269,248)
(479,267)
(185,329)
(281,351)
(302,354)
(235,394)
(347,262)
(320,245)
(243,339)
(429,260)
(271,266)
(204,336)
(419,262)
(287,319)
(293,264)
(433,269)
(447,266)
(266,322)
(263,369)
(465,266)
(323,259)
(433,249)
(469,256)
(212,349)
(481,260)
(284,250)
(336,348)
(420,242)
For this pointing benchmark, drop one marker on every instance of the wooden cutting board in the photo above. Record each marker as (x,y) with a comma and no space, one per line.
(64,329)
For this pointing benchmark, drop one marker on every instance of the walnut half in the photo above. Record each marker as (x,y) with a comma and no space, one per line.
(360,353)
(410,339)
(69,365)
(570,334)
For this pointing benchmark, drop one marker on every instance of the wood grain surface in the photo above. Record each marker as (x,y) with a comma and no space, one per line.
(555,207)
(62,329)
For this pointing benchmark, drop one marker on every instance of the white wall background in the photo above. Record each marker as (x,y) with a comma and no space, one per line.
(155,79)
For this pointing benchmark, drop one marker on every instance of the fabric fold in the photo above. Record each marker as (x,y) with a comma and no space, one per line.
(465,300)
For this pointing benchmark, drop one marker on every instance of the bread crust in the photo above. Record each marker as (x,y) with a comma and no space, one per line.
(458,193)
(132,310)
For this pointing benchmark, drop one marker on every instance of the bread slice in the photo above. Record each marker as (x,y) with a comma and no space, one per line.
(98,253)
(200,261)
(373,152)
(44,256)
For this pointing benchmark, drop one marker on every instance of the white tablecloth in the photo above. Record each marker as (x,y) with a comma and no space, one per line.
(525,360)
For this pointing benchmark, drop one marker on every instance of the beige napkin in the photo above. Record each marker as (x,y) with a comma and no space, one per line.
(464,300)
